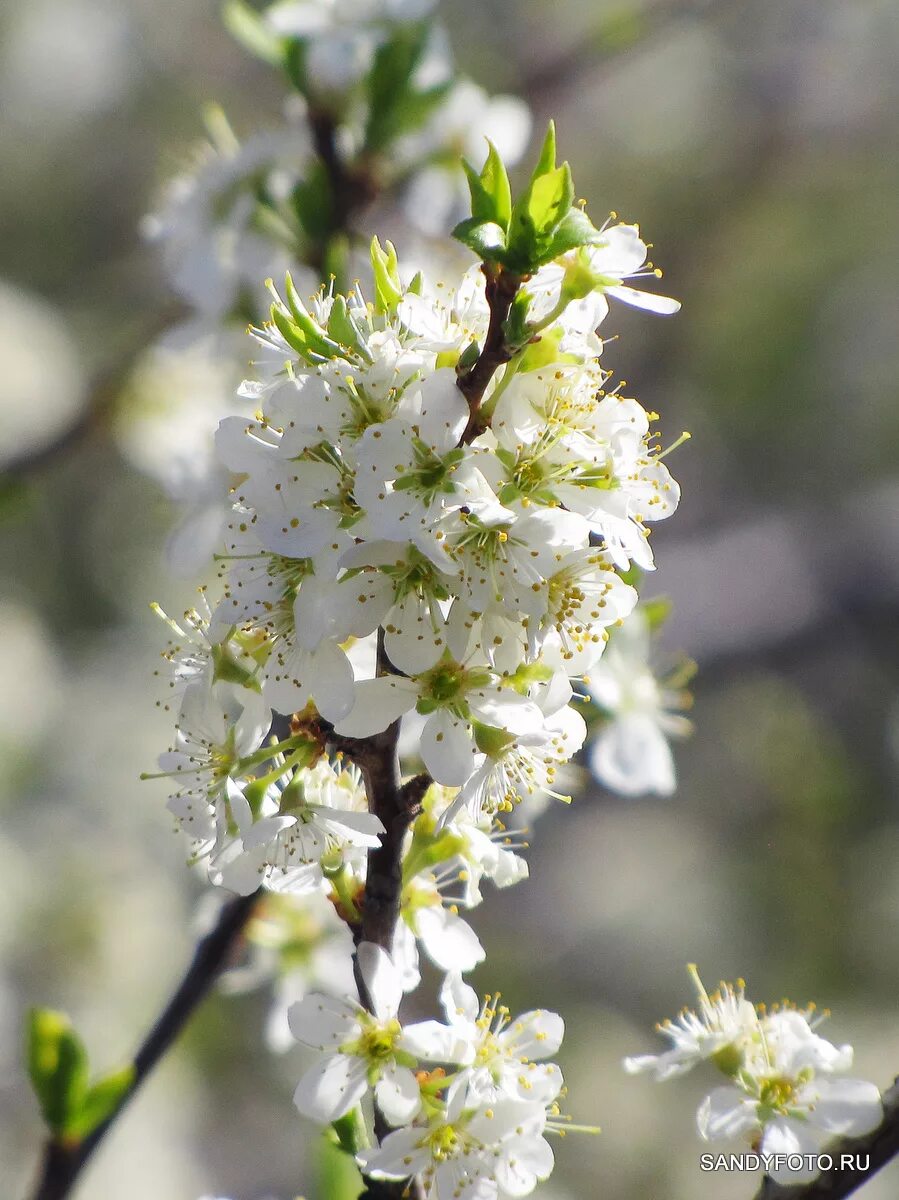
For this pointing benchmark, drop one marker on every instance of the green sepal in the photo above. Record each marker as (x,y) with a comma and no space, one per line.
(57,1065)
(527,675)
(544,350)
(385,270)
(246,26)
(490,740)
(226,669)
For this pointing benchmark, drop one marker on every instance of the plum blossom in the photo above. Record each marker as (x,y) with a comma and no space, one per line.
(790,1096)
(468,1151)
(787,1091)
(363,1048)
(630,754)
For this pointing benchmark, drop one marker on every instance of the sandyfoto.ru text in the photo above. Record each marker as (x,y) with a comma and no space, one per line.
(778,1162)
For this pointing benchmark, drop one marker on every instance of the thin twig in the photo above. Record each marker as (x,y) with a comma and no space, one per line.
(62,1163)
(876,1149)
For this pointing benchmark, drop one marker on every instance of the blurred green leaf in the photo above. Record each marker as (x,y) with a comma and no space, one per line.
(338,1175)
(57,1064)
(656,611)
(101,1101)
(247,27)
(313,203)
(395,104)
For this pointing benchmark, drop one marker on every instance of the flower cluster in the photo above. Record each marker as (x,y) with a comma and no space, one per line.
(787,1091)
(432,511)
(472,1096)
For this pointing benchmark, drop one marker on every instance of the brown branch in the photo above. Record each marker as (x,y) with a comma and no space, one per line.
(63,1163)
(397,805)
(878,1148)
(501,289)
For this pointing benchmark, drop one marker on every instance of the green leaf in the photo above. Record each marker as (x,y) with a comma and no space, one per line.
(385,269)
(491,195)
(495,181)
(57,1064)
(547,160)
(247,27)
(350,1131)
(101,1101)
(485,238)
(538,213)
(575,229)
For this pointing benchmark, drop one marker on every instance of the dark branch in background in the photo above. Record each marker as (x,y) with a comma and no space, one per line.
(63,1163)
(351,186)
(882,1144)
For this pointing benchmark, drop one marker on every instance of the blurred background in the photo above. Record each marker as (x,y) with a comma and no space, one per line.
(757,142)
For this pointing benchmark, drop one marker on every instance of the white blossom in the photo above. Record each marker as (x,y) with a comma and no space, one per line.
(478,1151)
(724,1025)
(363,1049)
(630,754)
(786,1100)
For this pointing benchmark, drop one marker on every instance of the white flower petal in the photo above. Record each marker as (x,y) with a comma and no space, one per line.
(397,1094)
(377,704)
(381,978)
(331,1088)
(447,748)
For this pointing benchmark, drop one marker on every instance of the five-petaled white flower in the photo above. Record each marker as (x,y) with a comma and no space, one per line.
(363,1049)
